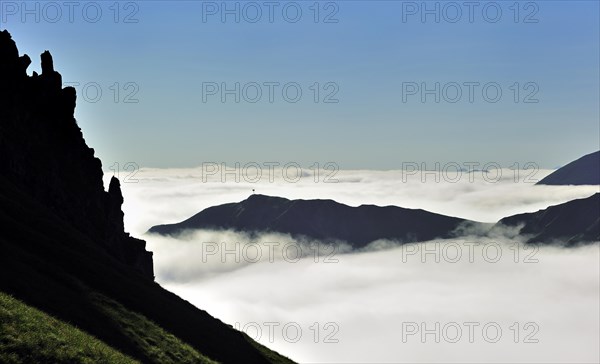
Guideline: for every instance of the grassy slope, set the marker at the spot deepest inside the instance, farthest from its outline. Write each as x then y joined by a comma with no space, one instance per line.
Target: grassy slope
28,335
51,266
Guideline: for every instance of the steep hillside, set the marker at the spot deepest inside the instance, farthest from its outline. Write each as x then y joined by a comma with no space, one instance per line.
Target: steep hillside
28,335
64,249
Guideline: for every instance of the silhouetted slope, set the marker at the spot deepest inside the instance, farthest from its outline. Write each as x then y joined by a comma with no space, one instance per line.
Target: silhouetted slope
63,248
320,219
42,150
570,223
52,266
583,171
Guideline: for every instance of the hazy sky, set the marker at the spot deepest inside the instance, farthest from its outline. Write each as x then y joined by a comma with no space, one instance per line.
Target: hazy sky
368,55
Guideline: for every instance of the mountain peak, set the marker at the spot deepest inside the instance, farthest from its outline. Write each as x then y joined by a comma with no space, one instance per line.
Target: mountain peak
264,198
326,220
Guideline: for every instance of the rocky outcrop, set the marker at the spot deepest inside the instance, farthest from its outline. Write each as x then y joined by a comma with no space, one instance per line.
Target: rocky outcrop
43,152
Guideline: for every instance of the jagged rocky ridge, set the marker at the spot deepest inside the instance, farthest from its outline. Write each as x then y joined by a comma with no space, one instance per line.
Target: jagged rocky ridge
42,150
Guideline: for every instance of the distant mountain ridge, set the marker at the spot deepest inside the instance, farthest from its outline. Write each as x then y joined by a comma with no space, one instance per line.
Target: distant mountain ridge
583,171
321,219
572,222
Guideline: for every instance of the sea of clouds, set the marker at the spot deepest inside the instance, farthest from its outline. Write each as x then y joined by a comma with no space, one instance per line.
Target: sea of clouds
470,299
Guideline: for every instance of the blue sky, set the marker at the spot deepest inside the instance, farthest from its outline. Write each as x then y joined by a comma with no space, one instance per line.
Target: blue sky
174,47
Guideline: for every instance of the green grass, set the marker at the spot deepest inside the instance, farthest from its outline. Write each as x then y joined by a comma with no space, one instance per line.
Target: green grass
28,335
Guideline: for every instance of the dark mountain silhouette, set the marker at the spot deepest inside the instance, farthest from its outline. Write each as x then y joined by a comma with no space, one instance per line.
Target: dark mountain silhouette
63,245
583,171
320,219
570,223
42,150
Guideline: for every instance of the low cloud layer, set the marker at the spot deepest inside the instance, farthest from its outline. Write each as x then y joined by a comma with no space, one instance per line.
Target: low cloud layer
374,305
171,195
365,306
